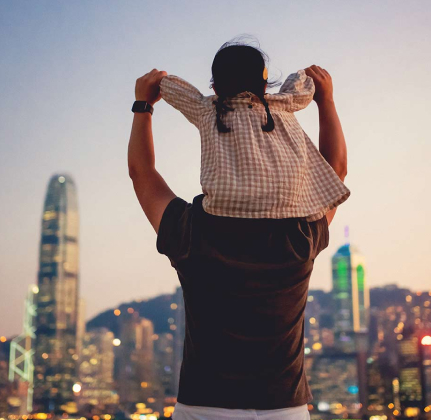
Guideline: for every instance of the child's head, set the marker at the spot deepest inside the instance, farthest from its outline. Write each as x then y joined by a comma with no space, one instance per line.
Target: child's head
237,68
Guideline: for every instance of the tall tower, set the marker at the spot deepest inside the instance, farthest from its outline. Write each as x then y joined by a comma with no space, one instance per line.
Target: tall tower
21,364
350,292
57,300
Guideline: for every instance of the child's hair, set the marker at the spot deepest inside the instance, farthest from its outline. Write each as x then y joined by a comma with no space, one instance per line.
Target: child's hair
238,67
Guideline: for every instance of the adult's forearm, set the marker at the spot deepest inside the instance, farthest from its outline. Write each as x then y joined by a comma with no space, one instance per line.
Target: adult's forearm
141,157
332,144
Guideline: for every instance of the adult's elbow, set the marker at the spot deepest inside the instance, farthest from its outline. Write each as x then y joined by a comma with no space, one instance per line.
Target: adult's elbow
133,173
341,171
137,173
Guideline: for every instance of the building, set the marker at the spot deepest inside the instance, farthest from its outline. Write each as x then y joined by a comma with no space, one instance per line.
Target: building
333,379
57,300
96,373
425,355
410,376
21,365
164,361
351,299
312,328
138,386
350,295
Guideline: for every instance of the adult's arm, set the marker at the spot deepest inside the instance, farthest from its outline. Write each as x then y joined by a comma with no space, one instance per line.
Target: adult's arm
332,144
152,191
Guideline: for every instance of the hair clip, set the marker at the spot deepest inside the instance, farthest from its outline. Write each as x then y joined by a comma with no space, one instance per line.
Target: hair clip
250,103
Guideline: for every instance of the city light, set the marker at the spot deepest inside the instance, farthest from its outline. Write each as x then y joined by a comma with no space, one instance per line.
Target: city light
35,290
323,406
3,339
411,411
317,346
61,179
76,388
116,342
117,312
426,340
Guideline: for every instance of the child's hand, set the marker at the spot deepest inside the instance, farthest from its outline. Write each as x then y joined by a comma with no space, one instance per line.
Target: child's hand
148,86
322,82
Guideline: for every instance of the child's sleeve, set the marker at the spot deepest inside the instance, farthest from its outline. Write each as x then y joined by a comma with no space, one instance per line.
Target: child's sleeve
182,96
299,90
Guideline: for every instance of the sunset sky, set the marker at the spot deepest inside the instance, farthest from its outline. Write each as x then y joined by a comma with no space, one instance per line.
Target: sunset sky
67,76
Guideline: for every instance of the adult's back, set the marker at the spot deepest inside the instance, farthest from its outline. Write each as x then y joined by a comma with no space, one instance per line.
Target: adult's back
245,285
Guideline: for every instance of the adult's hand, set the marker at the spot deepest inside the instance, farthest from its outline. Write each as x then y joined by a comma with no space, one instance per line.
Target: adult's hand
147,87
322,82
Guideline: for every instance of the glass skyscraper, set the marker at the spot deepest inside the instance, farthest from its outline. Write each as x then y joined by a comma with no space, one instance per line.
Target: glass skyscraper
350,293
57,300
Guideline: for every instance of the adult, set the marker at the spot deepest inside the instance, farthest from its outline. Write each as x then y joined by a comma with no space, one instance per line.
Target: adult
245,282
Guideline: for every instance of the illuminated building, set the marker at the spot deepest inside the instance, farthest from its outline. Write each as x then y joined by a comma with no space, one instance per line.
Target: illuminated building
425,356
137,382
5,385
21,366
57,300
351,296
410,381
376,395
80,327
333,379
164,356
96,368
312,331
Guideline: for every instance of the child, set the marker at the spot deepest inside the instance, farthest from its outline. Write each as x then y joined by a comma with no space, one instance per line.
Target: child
257,162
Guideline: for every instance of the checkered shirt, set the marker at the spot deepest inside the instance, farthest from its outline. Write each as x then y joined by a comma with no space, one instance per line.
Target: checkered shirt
250,173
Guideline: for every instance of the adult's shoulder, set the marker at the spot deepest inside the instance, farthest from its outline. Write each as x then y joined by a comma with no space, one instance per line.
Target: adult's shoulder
173,239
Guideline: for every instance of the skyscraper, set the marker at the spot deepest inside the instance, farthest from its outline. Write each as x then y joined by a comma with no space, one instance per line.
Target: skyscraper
137,381
96,369
350,293
410,379
57,300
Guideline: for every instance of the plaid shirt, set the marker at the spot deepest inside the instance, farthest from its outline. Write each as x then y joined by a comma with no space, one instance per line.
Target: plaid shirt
250,173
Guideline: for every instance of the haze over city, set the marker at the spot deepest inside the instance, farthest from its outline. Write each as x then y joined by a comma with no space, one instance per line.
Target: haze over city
67,86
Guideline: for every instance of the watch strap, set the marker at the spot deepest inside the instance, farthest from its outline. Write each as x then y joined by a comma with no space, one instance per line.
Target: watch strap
142,106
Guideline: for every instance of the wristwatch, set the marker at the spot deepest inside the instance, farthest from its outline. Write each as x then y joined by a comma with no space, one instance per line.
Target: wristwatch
142,106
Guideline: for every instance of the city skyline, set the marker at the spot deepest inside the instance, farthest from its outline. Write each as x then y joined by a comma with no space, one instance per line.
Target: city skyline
74,66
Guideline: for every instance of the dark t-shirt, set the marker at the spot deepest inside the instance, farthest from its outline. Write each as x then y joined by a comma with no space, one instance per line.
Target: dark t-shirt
245,285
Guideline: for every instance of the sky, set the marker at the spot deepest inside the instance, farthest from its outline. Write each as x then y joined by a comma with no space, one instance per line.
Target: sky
67,77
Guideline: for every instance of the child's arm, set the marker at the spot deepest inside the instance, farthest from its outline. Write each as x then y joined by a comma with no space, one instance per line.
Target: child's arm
151,189
332,144
183,96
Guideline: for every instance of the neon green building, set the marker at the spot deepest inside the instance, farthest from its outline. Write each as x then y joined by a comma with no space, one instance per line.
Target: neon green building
350,291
